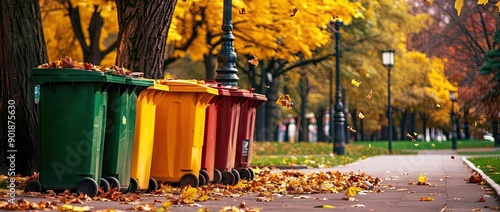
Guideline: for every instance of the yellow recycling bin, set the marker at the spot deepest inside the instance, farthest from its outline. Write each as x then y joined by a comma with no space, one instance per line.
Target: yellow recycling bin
147,104
179,132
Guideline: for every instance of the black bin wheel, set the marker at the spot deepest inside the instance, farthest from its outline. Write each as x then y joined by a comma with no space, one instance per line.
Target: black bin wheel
252,173
153,185
217,176
189,179
236,176
34,186
202,180
227,178
245,173
87,186
134,185
114,183
206,175
104,185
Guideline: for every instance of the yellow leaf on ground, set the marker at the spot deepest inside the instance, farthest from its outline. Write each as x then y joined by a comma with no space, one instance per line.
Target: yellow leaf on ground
324,206
426,199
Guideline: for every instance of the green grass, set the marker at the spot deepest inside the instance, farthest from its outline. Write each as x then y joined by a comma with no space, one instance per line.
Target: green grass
268,154
489,165
320,154
497,152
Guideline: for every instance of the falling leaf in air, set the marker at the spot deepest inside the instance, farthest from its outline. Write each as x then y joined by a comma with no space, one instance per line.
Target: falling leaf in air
294,11
410,136
369,96
352,130
285,101
438,105
254,61
242,11
361,116
267,86
355,82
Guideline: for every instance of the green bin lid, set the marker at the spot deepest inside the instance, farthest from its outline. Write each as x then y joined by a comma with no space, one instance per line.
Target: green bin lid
139,81
44,75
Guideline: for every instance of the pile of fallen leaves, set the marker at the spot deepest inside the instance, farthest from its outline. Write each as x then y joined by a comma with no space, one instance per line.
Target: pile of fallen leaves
67,62
19,180
265,187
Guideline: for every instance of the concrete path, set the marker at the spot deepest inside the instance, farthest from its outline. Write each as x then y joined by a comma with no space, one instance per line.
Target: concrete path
450,193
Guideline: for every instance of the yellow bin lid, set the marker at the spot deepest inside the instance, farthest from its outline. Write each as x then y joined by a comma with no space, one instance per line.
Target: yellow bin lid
175,85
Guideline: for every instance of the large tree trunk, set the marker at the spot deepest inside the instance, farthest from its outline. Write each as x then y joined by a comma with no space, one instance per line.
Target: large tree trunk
22,47
143,33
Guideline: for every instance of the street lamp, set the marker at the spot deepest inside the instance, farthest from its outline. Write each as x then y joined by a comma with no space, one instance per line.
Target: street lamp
388,61
338,124
226,69
453,98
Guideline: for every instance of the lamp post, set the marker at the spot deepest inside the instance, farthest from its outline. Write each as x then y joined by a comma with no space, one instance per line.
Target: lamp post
453,98
338,124
226,68
388,61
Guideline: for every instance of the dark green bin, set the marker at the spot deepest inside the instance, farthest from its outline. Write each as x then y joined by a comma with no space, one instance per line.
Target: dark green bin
120,127
73,107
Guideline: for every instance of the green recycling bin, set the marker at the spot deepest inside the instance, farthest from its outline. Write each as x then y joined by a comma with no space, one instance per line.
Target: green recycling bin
72,107
119,138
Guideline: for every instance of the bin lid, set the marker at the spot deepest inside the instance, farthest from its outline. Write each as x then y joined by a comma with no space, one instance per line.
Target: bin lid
259,97
139,81
189,86
228,90
44,75
160,87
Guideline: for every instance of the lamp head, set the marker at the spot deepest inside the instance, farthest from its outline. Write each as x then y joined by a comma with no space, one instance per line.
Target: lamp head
388,58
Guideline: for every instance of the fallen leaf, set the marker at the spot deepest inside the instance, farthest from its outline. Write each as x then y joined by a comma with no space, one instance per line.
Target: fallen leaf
426,199
324,206
482,199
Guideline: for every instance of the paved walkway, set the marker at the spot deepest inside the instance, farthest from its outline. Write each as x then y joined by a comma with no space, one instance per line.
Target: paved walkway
451,192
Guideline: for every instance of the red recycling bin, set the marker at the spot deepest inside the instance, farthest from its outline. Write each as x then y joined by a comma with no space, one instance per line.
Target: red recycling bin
245,135
208,152
226,123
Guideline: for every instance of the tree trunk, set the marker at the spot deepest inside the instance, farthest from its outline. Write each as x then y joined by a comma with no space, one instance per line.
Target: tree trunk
320,114
210,66
22,47
270,110
143,33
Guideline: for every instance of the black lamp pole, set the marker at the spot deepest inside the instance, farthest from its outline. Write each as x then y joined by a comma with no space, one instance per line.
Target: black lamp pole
388,61
453,123
339,117
226,69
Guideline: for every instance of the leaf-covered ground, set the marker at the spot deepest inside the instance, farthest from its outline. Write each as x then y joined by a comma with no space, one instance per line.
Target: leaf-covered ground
266,186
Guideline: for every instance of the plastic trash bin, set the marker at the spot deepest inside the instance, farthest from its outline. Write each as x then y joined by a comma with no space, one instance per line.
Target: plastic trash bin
208,170
228,115
119,138
72,111
179,131
142,153
246,135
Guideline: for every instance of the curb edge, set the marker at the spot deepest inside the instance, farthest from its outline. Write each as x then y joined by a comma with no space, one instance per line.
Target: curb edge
492,183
